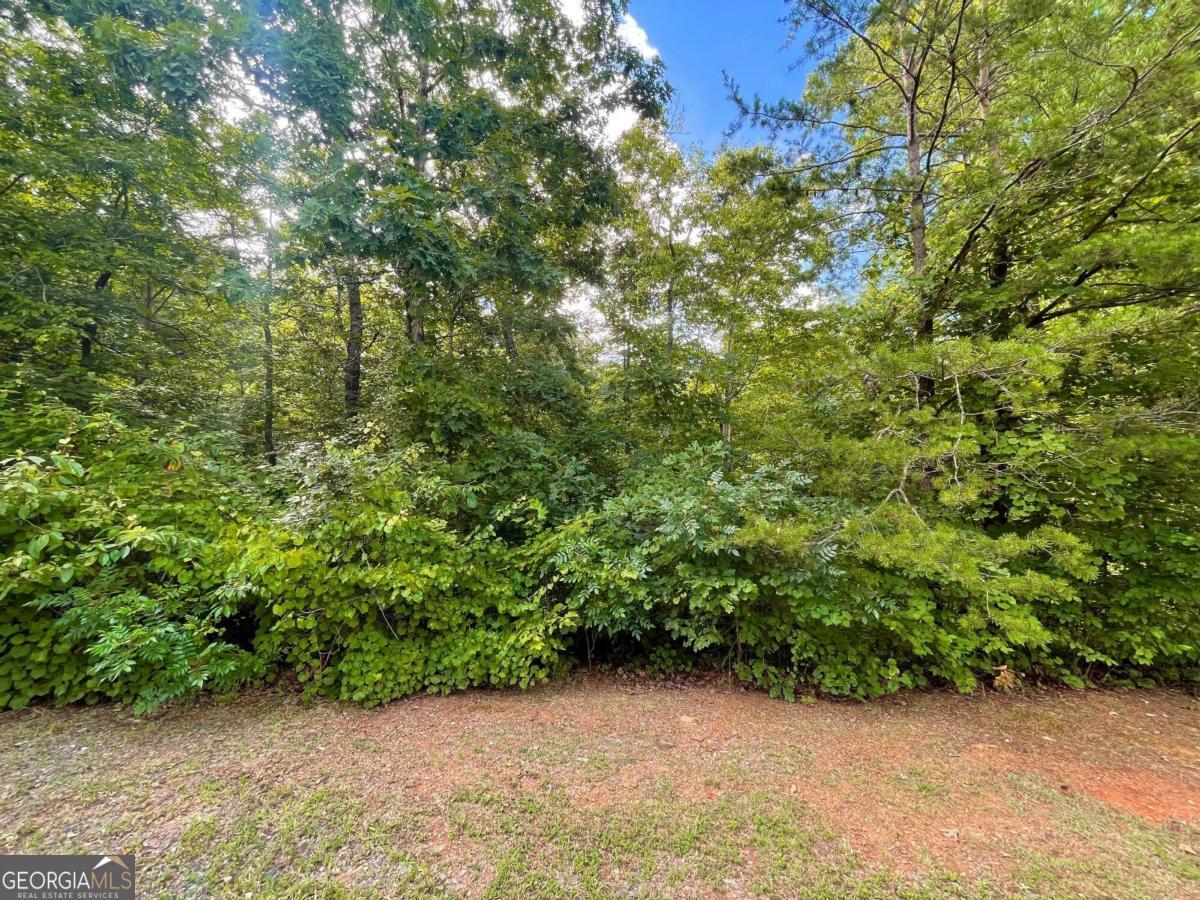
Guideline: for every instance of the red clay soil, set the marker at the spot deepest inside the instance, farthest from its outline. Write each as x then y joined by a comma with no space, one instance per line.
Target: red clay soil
908,780
1132,751
915,782
919,776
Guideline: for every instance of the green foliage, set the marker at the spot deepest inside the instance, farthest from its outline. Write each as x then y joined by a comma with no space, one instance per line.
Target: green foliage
370,588
689,561
112,147
106,552
786,587
290,382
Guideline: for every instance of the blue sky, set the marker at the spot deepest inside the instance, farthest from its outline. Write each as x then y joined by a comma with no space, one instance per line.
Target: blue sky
697,39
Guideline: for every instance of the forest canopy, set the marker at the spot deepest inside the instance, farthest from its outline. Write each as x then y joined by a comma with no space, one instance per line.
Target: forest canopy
346,343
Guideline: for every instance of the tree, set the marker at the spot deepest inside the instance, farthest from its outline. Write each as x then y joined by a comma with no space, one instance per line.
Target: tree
709,258
119,176
1030,253
454,165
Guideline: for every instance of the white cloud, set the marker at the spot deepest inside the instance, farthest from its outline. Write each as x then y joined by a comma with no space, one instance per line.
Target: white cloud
620,120
629,30
635,35
623,118
573,10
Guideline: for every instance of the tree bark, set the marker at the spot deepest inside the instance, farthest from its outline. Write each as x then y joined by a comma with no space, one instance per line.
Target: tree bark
671,298
670,319
269,375
143,370
510,341
916,213
354,348
728,394
414,318
91,327
1001,259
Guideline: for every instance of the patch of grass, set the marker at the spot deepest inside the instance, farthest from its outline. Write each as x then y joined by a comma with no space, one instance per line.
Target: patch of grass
661,847
272,800
920,781
296,843
1130,858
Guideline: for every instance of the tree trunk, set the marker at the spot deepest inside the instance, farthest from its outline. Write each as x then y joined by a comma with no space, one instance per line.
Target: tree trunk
143,370
91,327
1000,263
670,320
510,341
671,297
727,397
354,348
414,318
269,375
916,214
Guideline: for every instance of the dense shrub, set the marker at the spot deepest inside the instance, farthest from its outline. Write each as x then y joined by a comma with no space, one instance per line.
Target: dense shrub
1133,501
664,568
140,569
106,554
692,565
372,587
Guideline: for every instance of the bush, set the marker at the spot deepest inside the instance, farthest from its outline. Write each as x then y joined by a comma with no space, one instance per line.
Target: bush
371,589
141,569
101,598
692,565
688,565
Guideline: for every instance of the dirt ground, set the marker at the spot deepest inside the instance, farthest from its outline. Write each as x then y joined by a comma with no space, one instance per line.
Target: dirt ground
614,786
